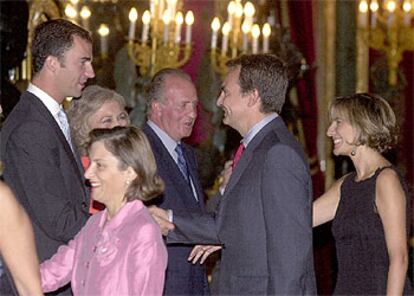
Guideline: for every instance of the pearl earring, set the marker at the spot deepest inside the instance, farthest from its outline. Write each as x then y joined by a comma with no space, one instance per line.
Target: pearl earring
353,152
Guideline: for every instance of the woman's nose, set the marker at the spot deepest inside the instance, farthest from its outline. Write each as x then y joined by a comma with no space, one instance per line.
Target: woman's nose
88,172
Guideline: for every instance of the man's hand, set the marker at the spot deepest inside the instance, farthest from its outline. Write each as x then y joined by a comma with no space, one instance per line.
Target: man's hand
202,251
161,217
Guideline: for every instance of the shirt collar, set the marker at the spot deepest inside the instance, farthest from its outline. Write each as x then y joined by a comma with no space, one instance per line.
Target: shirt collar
50,103
127,209
257,128
168,142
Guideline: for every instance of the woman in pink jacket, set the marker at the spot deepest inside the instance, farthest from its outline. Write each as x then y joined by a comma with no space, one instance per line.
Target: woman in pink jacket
120,250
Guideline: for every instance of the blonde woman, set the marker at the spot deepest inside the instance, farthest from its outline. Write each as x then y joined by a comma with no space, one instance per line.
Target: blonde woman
98,107
369,207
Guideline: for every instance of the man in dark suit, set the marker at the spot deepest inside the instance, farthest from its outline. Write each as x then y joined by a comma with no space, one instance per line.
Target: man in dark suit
263,219
41,163
172,110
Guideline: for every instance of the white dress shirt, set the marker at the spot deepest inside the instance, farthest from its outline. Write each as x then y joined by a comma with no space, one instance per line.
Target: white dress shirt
51,104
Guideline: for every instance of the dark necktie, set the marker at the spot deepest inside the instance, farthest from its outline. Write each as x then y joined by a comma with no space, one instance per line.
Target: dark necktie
238,155
182,164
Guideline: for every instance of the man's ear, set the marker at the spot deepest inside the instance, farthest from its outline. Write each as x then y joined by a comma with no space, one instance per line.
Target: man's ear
254,98
156,107
51,63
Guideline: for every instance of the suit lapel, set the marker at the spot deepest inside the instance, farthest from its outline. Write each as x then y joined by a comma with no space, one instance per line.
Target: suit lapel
244,162
246,157
169,168
192,168
47,116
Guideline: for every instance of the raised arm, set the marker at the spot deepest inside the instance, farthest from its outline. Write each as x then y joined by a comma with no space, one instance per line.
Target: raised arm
17,244
391,204
324,208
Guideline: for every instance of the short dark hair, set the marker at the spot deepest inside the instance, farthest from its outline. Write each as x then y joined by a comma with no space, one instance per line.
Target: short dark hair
54,38
372,118
155,90
267,74
131,147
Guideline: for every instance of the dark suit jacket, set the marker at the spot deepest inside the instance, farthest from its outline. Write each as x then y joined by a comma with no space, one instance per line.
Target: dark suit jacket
263,220
44,173
182,278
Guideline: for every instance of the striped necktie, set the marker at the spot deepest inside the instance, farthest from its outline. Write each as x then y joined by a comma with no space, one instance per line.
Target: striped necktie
181,162
64,126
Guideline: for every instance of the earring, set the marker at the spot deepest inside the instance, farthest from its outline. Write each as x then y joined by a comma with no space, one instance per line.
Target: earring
128,182
353,152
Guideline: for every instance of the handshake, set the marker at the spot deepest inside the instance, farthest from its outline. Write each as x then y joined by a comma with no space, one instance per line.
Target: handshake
164,220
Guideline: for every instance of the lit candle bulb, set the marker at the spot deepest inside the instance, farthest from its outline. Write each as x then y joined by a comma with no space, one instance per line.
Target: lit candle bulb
255,35
103,31
407,7
166,20
391,6
179,20
70,12
133,16
189,20
246,27
239,10
224,42
249,11
215,26
231,9
146,18
374,6
266,33
85,15
74,2
363,14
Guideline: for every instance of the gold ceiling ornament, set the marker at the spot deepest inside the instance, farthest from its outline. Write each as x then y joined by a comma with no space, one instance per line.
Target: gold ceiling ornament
387,26
159,37
160,43
239,35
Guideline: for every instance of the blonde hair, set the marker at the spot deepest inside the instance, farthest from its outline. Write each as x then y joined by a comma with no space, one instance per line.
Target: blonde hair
80,110
372,118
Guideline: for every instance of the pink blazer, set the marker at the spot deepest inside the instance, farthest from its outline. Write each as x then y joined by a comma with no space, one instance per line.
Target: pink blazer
125,256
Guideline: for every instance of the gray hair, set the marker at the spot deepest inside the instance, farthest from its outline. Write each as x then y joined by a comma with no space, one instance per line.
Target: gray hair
80,110
155,90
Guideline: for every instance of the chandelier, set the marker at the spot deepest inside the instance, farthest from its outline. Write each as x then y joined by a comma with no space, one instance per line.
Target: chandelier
160,44
387,27
239,35
153,43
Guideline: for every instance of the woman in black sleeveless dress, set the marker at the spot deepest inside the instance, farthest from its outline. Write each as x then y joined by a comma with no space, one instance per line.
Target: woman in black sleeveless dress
369,207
